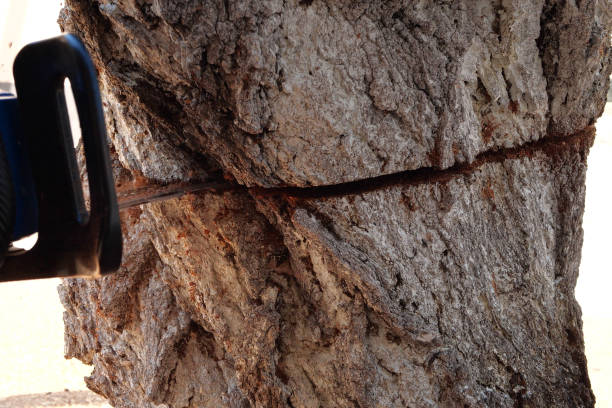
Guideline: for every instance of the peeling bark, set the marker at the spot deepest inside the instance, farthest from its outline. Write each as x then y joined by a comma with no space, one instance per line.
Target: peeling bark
401,222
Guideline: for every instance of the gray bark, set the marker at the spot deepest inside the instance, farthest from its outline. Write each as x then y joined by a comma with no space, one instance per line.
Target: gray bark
405,226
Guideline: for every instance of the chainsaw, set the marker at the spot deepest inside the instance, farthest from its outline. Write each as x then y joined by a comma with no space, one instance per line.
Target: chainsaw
40,185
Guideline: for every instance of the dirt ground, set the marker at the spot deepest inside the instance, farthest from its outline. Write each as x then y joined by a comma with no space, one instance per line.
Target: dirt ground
73,399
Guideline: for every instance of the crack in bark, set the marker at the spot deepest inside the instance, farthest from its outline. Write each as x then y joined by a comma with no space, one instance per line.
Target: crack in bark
580,141
552,145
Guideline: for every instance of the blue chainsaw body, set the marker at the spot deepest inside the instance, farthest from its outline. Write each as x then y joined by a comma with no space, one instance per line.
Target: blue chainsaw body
26,203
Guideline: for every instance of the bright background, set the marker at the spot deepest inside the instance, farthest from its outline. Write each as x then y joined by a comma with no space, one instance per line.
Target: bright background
33,372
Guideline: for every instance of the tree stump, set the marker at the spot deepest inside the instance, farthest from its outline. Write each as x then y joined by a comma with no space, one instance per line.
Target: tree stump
404,228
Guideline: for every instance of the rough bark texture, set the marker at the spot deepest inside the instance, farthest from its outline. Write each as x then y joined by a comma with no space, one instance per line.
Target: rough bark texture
404,229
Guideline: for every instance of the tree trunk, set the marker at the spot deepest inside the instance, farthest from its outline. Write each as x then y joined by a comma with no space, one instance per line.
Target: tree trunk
405,226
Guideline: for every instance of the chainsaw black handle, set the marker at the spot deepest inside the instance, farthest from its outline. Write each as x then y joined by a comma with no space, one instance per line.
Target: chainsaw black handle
71,241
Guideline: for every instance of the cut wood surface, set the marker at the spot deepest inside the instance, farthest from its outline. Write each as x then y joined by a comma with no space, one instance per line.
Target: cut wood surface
405,227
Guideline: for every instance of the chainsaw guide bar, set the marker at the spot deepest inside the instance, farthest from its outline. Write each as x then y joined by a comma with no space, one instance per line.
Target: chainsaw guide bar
128,198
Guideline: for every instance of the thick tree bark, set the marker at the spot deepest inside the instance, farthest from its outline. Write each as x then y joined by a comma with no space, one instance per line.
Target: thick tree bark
405,227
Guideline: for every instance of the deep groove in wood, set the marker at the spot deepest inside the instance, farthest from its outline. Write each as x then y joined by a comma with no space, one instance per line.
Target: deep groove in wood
551,146
580,141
